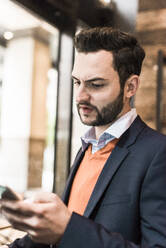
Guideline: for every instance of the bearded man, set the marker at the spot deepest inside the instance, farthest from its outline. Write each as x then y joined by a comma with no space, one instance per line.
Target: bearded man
115,196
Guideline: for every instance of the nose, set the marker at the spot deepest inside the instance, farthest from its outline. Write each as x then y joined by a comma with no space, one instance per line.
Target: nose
82,94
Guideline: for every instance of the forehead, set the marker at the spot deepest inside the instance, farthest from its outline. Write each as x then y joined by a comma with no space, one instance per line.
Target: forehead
91,64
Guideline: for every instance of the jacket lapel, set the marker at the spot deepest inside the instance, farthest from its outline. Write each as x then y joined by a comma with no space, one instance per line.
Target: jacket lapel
114,161
120,153
73,171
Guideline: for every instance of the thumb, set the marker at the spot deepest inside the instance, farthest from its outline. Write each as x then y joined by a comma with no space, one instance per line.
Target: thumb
43,197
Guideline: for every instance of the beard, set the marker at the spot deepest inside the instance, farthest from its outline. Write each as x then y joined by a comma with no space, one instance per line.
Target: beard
107,114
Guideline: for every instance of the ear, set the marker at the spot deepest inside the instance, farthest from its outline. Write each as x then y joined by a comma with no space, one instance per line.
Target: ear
131,86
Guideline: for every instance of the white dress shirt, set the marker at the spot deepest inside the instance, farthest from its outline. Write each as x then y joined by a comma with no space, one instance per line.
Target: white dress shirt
115,130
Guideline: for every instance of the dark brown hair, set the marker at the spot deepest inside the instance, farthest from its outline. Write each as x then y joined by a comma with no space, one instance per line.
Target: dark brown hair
128,55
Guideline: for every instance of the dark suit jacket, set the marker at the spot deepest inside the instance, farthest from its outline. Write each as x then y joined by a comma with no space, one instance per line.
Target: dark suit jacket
127,208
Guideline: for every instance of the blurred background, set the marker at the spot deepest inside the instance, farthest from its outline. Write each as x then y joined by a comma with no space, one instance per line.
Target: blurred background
39,125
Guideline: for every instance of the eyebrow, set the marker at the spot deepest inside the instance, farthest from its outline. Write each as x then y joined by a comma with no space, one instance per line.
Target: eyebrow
91,80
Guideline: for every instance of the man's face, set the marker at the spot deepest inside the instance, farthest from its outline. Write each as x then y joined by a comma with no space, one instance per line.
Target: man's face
99,98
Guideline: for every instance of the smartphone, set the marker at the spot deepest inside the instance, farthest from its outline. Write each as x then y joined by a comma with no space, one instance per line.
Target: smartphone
7,193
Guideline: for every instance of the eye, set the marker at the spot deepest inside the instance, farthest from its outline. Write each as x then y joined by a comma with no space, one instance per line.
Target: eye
76,82
93,85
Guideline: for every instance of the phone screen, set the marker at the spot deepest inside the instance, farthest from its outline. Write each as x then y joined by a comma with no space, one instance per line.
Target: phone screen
7,193
2,190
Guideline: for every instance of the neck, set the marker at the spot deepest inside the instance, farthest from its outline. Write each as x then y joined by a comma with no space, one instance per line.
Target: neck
100,129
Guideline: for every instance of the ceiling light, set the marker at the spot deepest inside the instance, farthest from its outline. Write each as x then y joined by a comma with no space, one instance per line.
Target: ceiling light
105,1
8,35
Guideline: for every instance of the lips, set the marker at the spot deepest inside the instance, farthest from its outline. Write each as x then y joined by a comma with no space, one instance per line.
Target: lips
85,109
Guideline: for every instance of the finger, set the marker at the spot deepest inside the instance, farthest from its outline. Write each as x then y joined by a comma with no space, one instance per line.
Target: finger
31,224
18,207
44,197
16,222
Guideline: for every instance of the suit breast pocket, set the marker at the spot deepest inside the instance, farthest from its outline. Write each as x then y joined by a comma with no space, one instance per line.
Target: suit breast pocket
116,199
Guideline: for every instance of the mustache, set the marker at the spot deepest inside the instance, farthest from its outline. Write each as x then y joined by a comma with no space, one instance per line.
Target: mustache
85,104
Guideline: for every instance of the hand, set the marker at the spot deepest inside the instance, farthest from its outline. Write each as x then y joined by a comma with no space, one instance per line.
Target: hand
44,217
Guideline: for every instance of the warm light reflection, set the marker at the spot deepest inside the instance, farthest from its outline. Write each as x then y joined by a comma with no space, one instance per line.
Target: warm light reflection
8,35
105,1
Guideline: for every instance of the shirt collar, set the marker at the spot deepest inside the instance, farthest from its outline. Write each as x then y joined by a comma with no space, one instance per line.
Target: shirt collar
115,130
122,124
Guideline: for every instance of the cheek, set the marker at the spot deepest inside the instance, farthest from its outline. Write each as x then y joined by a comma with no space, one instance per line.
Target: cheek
102,99
98,99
